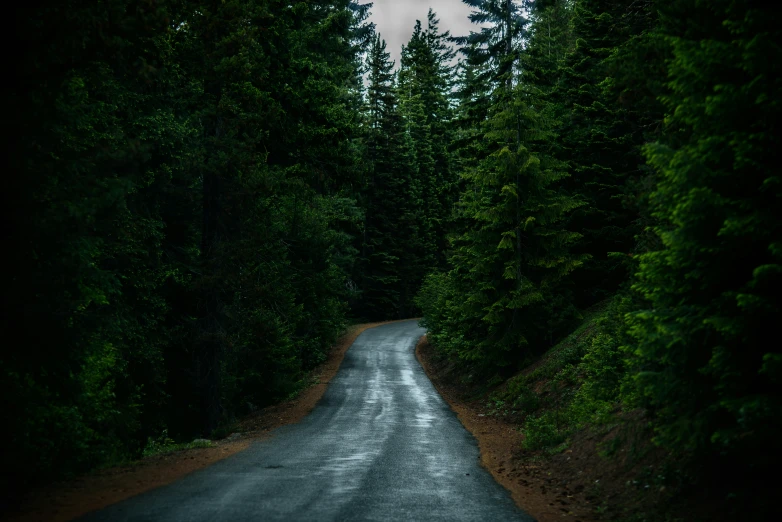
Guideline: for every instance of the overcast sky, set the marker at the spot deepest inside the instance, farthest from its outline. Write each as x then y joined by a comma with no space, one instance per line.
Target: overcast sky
395,20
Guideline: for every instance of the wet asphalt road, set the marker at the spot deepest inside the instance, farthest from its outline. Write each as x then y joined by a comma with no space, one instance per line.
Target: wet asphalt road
380,445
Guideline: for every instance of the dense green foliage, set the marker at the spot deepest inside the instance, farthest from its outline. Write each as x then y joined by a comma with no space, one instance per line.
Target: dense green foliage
185,218
204,193
410,187
622,152
705,344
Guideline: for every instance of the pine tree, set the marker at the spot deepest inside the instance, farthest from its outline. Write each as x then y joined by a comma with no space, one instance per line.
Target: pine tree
516,250
103,151
182,241
425,81
508,264
379,293
408,196
706,366
392,252
288,155
473,98
596,140
497,45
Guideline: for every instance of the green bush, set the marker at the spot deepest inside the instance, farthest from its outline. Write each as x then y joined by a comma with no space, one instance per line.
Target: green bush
525,399
544,431
164,444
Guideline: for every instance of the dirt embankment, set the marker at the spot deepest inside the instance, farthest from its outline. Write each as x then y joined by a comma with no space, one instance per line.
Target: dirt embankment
578,484
499,441
71,499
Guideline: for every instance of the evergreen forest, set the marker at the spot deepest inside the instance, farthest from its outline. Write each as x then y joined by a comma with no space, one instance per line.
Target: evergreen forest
205,193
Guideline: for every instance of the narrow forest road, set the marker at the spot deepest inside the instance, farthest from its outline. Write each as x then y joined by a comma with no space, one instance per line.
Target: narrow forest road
380,445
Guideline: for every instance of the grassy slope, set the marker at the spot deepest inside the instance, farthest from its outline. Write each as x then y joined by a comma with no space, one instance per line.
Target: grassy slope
586,453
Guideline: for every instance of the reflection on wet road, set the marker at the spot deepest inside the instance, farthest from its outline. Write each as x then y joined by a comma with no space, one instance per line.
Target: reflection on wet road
380,445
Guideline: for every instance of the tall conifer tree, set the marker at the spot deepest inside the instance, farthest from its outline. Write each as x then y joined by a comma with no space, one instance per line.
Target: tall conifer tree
509,261
708,370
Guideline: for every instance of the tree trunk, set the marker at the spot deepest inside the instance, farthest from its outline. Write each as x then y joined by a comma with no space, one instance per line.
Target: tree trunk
210,345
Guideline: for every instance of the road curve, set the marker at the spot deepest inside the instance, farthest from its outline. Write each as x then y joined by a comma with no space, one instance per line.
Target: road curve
380,445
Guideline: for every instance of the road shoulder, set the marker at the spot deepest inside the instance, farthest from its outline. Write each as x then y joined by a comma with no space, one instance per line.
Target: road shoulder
500,445
68,500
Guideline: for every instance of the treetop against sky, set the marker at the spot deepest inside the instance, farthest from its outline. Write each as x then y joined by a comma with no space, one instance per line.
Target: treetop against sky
395,20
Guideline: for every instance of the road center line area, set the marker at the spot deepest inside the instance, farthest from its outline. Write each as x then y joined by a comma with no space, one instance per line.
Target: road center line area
380,445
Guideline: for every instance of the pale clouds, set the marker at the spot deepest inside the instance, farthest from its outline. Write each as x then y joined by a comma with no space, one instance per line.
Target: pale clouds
395,20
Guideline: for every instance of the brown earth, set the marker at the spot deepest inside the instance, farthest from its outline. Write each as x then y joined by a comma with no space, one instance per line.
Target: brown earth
578,484
71,499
